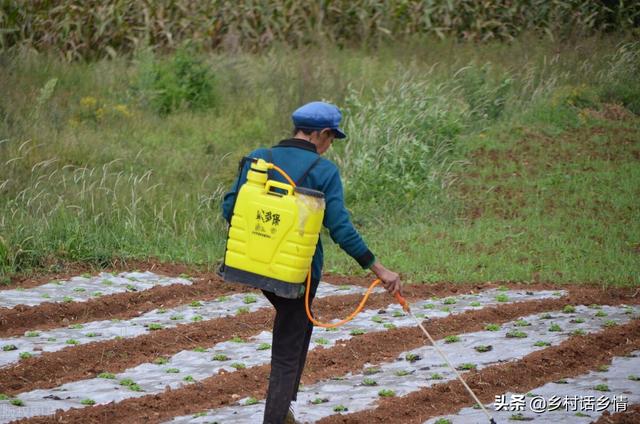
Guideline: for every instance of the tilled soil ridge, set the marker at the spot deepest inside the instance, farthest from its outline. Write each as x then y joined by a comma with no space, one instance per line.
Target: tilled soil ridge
571,358
370,348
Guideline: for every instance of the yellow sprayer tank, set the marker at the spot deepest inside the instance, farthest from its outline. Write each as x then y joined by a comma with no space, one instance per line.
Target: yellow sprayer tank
273,234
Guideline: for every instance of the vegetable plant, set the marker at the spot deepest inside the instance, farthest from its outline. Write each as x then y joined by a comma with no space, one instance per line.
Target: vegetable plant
318,401
237,339
357,332
107,375
263,346
340,408
369,382
389,326
634,377
25,355
610,323
155,326
79,290
475,303
492,327
176,317
412,357
321,341
199,349
76,326
160,361
32,334
238,365
436,376
601,388
397,314
555,327
195,304
172,370
578,332
196,318
72,342
577,321
601,314
452,339
250,401
3,396
467,366
16,402
220,357
249,299
189,379
569,309
402,373
502,297
386,393
483,348
67,299
516,334
541,343
92,334
222,299
449,301
428,306
88,402
546,316
522,323
602,368
242,310
377,319
443,421
371,371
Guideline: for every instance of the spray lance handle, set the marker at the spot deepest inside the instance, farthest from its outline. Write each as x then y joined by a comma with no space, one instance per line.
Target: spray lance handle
403,302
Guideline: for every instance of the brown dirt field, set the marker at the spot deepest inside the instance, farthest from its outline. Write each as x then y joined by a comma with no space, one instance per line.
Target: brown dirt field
630,416
573,357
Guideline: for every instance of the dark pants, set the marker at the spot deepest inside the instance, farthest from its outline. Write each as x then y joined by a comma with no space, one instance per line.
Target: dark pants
291,335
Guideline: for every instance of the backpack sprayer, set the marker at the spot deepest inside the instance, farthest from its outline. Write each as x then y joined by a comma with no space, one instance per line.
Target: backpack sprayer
272,237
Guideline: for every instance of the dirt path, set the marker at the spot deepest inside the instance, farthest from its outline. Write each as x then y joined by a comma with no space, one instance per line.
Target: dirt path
371,348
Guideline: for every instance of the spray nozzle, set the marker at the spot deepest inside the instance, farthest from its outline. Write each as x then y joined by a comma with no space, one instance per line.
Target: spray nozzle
403,302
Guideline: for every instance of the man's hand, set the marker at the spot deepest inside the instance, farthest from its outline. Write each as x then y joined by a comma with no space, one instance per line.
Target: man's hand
390,280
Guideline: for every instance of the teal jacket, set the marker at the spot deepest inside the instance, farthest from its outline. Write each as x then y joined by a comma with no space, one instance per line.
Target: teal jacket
295,157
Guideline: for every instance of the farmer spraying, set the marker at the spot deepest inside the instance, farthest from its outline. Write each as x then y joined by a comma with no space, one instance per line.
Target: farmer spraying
299,161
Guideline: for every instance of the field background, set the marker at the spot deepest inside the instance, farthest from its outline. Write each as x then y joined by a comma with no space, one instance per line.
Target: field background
486,142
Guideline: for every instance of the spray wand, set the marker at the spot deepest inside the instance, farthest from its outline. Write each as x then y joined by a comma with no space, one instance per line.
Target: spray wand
405,306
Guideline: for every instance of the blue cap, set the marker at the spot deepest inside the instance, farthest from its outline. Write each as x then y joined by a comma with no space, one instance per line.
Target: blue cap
318,116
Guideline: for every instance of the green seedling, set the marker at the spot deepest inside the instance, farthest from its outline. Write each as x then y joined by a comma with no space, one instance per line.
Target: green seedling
581,414
195,304
577,321
131,287
492,327
107,375
86,275
189,379
197,318
118,338
3,396
25,355
634,377
318,401
601,314
176,317
443,421
502,297
602,368
263,346
88,402
419,315
135,388
389,326
242,310
97,294
155,326
519,417
172,370
237,339
503,288
161,361
483,348
445,309
569,309
610,323
402,373
561,381
516,334
555,327
546,316
67,299
429,306
183,275
51,339
107,283
238,365
219,357
199,414
578,332
79,290
161,311
249,299
331,329
449,301
541,343
32,334
116,320
601,388
475,303
397,314
436,376
386,393
91,335
16,402
250,401
557,294
126,382
72,342
595,306
46,295
377,319
340,408
452,339
522,323
357,332
412,357
199,349
371,371
222,299
76,326
344,287
321,341
369,382
467,367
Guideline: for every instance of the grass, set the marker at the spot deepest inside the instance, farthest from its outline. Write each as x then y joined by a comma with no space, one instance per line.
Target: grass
509,165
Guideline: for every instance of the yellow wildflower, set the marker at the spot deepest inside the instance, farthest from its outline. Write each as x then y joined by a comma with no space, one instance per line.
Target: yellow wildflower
88,102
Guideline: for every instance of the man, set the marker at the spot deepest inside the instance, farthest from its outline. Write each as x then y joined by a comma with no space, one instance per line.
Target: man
316,125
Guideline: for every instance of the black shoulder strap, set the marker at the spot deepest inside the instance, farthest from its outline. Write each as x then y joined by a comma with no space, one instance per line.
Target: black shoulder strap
269,159
306,173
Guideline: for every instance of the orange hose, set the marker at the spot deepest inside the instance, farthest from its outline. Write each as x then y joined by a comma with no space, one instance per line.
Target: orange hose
308,287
